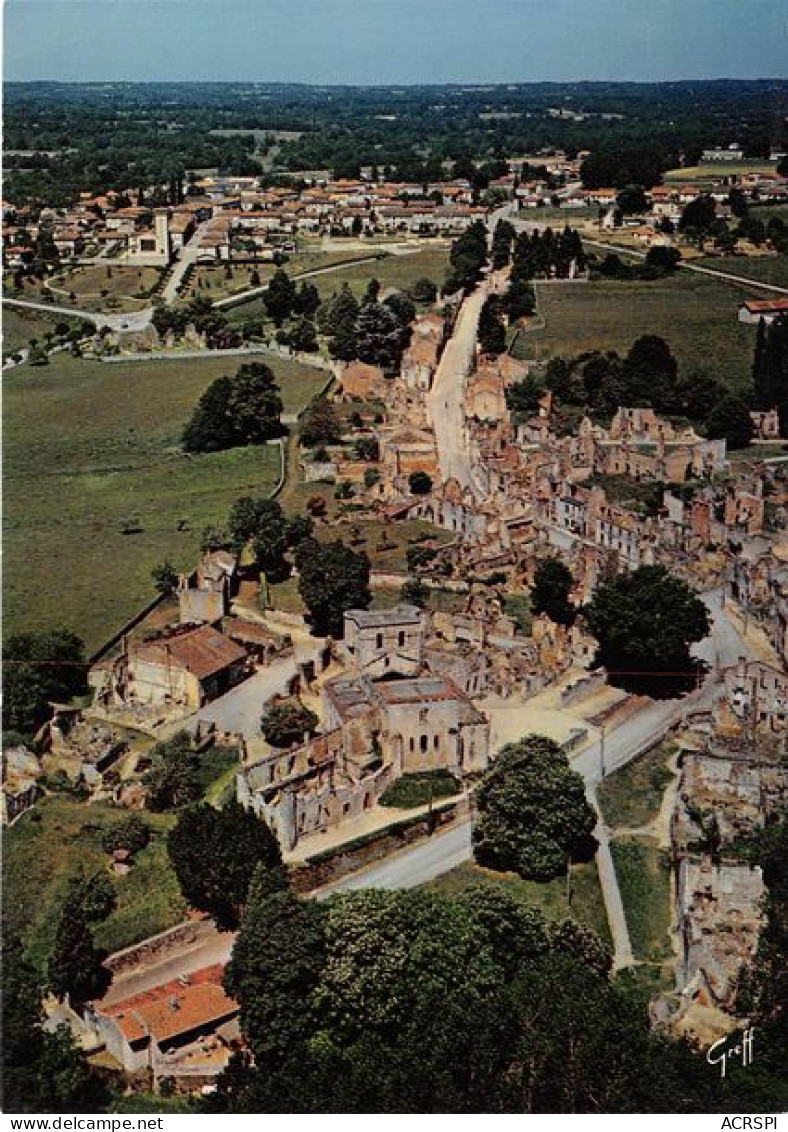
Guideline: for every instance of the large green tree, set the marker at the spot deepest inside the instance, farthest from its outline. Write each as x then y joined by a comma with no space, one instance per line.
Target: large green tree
332,579
646,621
421,1002
381,336
287,723
38,669
533,810
320,425
280,297
261,523
215,854
730,420
236,411
550,591
274,968
171,780
75,964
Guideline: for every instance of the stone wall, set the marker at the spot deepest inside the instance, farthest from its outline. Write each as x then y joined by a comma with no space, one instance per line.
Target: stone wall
324,869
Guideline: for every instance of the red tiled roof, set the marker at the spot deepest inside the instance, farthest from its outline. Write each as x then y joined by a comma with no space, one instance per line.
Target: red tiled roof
202,651
171,1009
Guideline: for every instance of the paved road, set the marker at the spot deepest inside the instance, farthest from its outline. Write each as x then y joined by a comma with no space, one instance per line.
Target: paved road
240,710
411,867
132,320
189,254
445,401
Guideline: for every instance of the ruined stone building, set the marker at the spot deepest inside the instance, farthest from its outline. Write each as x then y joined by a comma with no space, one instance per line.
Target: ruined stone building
204,596
180,669
719,913
375,729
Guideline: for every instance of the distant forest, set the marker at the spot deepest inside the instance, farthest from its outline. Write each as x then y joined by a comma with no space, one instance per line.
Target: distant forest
62,139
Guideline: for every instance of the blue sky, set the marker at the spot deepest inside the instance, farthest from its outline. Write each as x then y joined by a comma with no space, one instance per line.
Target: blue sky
394,41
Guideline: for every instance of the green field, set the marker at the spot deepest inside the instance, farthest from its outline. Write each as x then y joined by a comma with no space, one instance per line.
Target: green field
20,325
213,281
400,271
764,269
714,171
87,283
632,796
643,873
550,897
56,839
89,447
697,316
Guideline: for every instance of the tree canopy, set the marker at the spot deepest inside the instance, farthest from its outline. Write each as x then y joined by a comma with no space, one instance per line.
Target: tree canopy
215,854
420,1002
38,669
533,810
332,579
236,411
171,781
287,723
550,591
646,621
730,420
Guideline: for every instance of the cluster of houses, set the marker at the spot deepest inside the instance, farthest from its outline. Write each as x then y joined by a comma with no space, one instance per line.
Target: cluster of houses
533,490
235,218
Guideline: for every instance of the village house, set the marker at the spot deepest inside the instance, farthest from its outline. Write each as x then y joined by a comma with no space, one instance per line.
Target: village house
180,669
185,1029
378,642
753,310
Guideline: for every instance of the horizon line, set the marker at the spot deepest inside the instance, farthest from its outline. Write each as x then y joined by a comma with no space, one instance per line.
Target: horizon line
409,84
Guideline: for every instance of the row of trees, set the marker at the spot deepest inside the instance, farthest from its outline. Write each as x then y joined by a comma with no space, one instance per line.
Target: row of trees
648,375
770,369
419,1002
467,256
371,331
548,254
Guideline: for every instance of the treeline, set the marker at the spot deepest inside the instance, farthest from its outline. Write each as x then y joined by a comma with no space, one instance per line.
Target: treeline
420,1002
648,376
102,139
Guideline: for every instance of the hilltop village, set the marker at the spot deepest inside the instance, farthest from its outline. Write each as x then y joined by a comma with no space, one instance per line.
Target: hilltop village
492,465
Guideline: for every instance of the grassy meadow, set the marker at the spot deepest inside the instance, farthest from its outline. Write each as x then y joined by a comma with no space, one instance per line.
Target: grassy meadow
63,837
549,897
761,269
20,325
697,316
91,448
